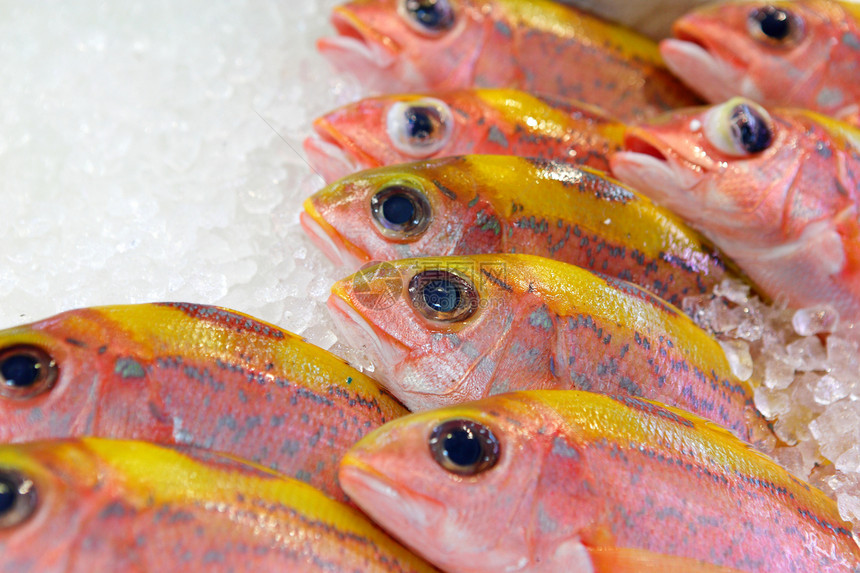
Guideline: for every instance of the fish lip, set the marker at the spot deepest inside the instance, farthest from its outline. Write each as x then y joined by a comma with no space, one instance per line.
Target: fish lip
385,352
355,38
332,154
642,142
354,473
333,245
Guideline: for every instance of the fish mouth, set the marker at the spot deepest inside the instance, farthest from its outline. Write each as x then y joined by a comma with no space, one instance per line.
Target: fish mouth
356,46
645,166
691,57
394,506
332,155
385,352
338,250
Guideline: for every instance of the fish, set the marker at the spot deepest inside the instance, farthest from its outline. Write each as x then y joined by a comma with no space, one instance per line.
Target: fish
189,374
533,45
803,53
446,330
652,18
115,505
564,480
399,128
775,189
504,204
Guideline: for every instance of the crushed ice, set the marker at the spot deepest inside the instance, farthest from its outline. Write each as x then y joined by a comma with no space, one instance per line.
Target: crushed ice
808,387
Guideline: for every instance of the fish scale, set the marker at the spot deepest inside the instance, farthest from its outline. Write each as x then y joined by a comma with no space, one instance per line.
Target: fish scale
539,324
197,375
581,479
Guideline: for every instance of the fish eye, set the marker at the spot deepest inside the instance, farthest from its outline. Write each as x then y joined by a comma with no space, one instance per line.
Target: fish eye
774,25
739,128
419,128
443,296
400,211
26,371
464,447
17,498
430,17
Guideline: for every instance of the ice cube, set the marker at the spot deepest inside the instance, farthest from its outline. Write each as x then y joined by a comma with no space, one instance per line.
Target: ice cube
738,354
778,374
812,320
809,353
829,390
732,290
771,403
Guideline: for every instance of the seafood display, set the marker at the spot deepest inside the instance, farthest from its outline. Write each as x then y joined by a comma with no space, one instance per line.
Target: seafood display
192,375
102,505
533,45
504,204
584,311
802,53
561,480
776,190
392,129
460,328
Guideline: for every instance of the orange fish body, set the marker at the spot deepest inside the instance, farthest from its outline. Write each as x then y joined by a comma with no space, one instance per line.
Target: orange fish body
776,191
393,129
580,482
803,53
192,375
78,506
534,45
504,204
452,329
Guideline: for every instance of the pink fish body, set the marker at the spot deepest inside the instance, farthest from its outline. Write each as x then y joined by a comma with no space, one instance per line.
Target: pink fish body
390,129
777,191
555,480
535,45
191,375
804,53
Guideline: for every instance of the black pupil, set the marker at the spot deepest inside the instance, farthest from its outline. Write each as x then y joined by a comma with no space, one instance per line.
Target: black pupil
20,370
774,22
398,210
463,448
432,14
753,131
419,124
441,295
8,494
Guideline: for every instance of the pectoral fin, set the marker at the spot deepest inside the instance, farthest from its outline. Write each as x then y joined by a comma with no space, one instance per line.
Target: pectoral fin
627,560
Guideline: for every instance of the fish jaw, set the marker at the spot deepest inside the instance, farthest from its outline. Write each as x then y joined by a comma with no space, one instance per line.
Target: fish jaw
385,352
646,166
713,79
389,503
357,49
340,251
332,154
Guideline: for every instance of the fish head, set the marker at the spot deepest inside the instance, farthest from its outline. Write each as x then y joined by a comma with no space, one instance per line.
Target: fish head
456,484
727,169
45,490
397,128
397,212
430,325
407,44
772,52
48,372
